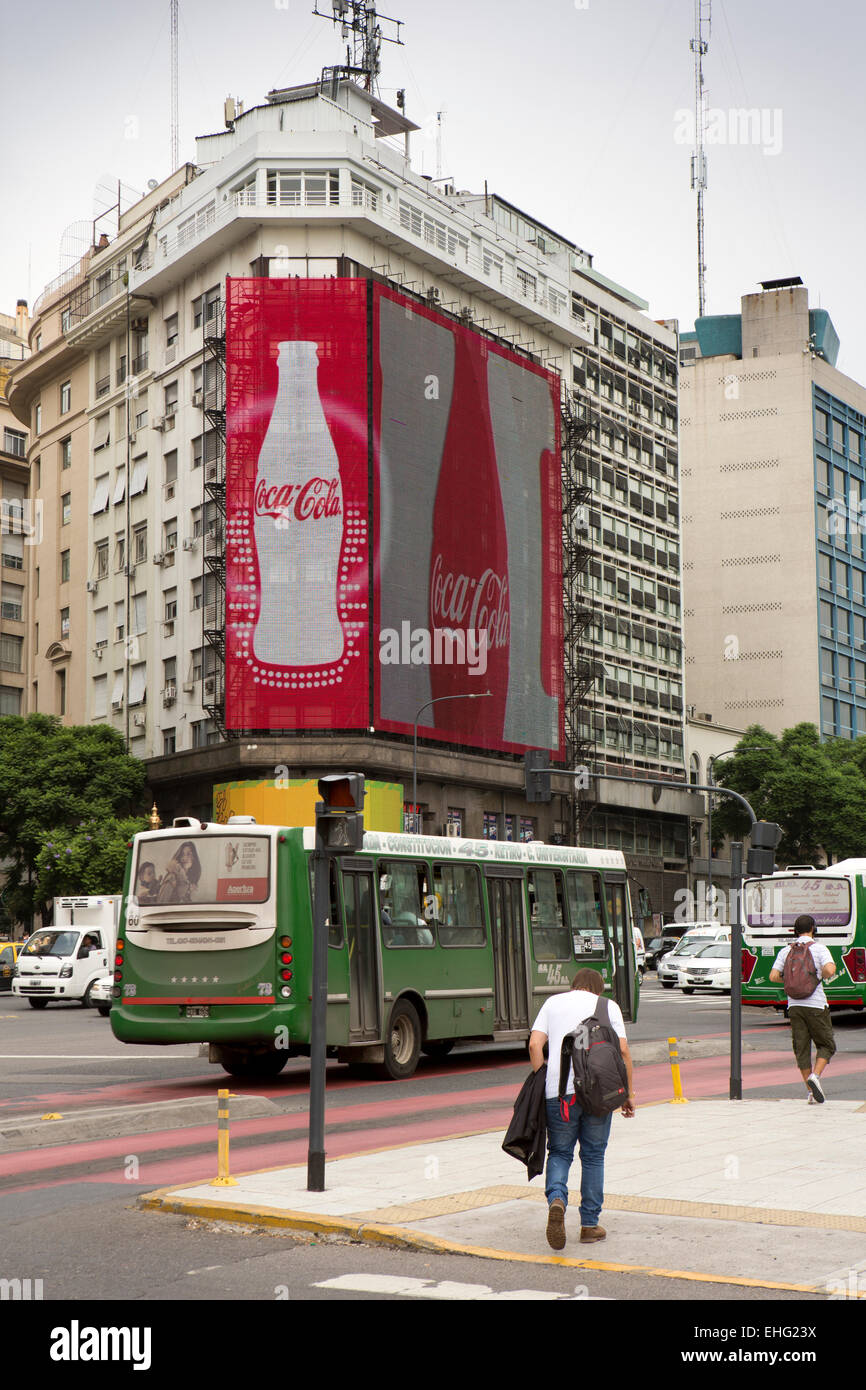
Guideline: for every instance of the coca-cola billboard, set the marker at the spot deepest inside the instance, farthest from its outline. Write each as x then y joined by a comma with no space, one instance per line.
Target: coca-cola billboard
456,441
297,480
467,535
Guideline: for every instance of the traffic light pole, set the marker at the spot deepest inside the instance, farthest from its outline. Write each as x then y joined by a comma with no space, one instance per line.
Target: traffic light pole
735,1085
318,1025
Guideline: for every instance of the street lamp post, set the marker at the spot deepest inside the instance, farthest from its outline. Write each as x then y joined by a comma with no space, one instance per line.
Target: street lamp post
714,758
479,695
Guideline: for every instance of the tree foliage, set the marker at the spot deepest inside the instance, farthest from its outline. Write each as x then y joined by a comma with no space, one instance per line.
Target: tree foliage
89,859
815,791
52,780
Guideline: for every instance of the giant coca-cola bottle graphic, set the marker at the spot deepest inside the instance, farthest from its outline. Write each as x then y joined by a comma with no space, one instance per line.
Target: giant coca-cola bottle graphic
298,522
469,562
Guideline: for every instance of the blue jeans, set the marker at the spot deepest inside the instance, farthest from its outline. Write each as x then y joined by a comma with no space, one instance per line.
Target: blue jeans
592,1132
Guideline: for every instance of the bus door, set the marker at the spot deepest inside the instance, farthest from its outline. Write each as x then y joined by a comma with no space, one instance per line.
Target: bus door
621,944
362,943
505,896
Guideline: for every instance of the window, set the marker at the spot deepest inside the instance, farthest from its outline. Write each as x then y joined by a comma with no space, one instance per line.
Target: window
169,741
457,891
64,566
61,692
10,699
99,707
456,817
584,901
101,490
12,601
170,464
206,308
170,407
138,684
120,551
66,509
139,544
294,188
550,939
171,330
196,593
65,397
138,625
14,442
37,419
100,627
170,612
138,482
65,453
204,448
490,829
119,621
10,652
64,622
405,903
169,531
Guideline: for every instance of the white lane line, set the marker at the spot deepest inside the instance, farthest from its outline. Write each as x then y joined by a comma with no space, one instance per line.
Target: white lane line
397,1285
89,1057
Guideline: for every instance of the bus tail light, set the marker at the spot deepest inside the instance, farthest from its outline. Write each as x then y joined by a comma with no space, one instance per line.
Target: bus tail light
286,958
285,941
285,974
747,966
855,963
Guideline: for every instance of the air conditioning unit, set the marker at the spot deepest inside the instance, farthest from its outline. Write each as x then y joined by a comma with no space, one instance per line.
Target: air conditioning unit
453,832
190,542
93,586
117,704
159,558
97,652
188,687
169,695
170,353
196,398
139,720
169,491
168,628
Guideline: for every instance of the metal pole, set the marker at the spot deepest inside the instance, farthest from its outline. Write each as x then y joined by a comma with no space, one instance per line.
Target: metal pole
735,1091
318,1025
479,695
709,853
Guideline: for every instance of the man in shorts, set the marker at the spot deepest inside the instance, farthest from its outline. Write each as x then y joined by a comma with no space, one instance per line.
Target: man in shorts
810,1018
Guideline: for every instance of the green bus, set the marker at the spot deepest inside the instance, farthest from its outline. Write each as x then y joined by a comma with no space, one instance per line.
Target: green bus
430,940
836,898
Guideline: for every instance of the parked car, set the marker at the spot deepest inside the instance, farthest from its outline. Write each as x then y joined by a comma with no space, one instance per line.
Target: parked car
100,995
658,947
8,957
709,968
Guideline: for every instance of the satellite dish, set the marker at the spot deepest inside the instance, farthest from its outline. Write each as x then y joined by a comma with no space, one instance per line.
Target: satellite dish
152,184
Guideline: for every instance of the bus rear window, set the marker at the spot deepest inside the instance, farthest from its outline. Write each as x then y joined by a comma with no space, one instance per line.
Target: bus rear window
179,869
778,902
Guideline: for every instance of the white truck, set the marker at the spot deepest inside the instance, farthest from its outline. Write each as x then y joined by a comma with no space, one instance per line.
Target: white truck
65,960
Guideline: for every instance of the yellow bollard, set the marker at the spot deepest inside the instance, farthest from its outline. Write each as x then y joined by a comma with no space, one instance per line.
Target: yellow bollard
223,1178
678,1097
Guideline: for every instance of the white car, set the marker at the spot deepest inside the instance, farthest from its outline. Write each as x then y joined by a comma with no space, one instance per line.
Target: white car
671,965
709,968
100,995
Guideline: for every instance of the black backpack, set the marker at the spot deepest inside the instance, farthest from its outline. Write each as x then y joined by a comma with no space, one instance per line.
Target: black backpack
600,1075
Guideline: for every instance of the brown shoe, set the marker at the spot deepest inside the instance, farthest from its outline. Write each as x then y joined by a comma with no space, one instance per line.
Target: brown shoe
589,1234
556,1225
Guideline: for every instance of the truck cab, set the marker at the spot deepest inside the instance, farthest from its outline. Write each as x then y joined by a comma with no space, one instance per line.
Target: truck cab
65,960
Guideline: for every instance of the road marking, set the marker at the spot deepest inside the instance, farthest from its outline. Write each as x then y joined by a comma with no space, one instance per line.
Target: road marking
446,1289
88,1057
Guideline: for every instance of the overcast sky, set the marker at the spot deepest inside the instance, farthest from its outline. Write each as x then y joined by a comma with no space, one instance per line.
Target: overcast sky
572,109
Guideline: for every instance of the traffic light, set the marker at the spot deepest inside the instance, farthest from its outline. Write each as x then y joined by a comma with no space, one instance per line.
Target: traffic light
536,772
340,813
761,858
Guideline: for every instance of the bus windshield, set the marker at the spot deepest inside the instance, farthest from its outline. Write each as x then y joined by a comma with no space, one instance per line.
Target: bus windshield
778,902
202,869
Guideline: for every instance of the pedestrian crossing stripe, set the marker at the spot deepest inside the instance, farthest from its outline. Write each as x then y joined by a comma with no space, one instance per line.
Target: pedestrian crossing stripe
399,1285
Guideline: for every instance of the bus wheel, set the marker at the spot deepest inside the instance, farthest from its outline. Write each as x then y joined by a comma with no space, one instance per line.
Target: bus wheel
438,1049
402,1041
38,1003
239,1061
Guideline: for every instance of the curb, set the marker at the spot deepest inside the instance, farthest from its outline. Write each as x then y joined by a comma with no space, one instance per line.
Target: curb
403,1238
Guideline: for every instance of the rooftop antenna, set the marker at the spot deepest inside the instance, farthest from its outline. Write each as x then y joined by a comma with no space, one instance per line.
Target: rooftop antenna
175,149
363,35
439,115
699,45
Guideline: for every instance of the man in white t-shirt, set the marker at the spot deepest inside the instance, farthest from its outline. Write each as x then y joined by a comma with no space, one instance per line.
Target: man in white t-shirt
559,1016
810,1018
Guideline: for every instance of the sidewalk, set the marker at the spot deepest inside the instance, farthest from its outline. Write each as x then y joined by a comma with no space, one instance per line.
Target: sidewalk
763,1192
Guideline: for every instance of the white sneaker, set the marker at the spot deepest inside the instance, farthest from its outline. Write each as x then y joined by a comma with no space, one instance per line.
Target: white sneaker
815,1087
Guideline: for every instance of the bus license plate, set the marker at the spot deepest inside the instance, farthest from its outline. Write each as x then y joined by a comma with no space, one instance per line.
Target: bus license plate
197,1011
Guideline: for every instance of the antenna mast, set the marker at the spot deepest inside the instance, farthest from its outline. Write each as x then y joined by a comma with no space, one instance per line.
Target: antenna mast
364,37
699,45
175,155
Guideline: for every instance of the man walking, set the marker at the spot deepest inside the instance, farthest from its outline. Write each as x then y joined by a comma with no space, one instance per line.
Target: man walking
560,1015
810,1016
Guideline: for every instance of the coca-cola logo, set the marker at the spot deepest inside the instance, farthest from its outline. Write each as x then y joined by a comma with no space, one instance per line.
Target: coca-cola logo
316,498
480,604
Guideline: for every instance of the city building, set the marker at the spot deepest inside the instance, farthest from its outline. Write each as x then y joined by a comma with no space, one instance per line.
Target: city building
773,484
317,182
15,528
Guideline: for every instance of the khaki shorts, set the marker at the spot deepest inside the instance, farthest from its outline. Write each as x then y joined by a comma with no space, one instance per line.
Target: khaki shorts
810,1026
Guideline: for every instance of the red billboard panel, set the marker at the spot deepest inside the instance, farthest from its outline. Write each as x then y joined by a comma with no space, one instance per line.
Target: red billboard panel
467,535
297,472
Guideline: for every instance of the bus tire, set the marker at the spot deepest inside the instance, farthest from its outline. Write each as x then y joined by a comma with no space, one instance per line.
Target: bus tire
245,1063
440,1048
38,1003
402,1041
